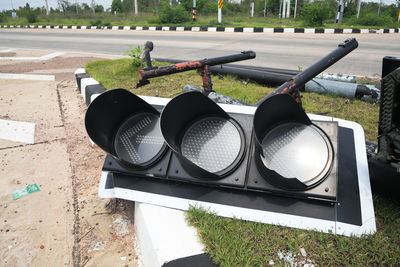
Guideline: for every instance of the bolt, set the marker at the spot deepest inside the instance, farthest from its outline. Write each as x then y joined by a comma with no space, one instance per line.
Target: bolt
326,189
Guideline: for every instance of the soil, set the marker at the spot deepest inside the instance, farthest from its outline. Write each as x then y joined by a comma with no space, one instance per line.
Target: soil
65,223
61,67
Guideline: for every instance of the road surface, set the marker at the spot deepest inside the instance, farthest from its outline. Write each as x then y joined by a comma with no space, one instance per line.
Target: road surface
290,51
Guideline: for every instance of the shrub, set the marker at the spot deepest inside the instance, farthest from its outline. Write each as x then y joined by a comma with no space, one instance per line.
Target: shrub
2,17
173,15
371,19
135,54
314,14
31,17
96,22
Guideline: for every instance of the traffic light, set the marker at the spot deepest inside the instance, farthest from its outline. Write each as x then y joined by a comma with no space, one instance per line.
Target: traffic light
277,150
274,149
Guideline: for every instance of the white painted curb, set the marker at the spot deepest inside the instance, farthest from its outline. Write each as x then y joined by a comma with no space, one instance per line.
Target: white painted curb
85,82
163,235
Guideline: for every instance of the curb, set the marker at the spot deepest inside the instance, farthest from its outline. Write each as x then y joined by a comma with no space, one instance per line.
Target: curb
212,29
171,243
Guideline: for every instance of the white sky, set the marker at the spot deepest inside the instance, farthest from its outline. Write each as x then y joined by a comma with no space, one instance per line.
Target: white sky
8,4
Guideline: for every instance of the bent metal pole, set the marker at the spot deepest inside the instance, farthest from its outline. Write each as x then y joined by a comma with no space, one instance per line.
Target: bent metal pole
292,86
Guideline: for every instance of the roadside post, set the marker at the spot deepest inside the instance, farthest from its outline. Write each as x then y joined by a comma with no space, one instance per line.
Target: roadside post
194,10
220,5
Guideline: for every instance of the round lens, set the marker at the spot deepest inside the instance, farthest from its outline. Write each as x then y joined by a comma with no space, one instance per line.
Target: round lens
212,144
295,150
139,140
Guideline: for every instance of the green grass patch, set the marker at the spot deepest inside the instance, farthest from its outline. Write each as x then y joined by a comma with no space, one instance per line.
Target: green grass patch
233,242
151,19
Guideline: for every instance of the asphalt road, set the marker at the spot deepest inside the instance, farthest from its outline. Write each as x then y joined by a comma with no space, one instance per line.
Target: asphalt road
290,51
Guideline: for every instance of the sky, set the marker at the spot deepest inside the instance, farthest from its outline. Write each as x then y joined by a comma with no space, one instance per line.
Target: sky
8,4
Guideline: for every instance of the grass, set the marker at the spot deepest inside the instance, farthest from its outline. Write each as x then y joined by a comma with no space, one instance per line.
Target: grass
149,19
234,242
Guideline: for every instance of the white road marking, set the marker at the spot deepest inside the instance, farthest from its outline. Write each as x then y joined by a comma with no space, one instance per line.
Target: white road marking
34,77
17,131
45,57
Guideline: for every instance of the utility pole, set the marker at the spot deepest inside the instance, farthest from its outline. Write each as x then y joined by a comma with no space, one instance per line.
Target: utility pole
280,8
136,8
92,6
47,8
284,9
265,8
288,9
295,9
358,8
379,9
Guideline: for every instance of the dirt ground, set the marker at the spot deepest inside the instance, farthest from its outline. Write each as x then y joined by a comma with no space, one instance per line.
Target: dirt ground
65,223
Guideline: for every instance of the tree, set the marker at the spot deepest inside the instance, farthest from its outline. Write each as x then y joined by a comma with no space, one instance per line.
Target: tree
127,5
85,7
64,5
116,6
98,9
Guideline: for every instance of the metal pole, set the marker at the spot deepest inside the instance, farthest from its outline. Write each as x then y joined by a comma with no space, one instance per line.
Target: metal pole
295,9
136,8
292,86
358,8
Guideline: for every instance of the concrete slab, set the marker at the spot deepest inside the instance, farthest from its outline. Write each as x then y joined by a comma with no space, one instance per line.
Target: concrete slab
17,131
25,222
34,102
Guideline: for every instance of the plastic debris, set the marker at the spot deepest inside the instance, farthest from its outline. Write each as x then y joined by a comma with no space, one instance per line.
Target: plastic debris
97,246
120,224
123,258
303,252
27,190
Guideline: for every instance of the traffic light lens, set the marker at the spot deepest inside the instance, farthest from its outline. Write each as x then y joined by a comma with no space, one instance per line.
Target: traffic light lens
296,150
212,143
139,140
